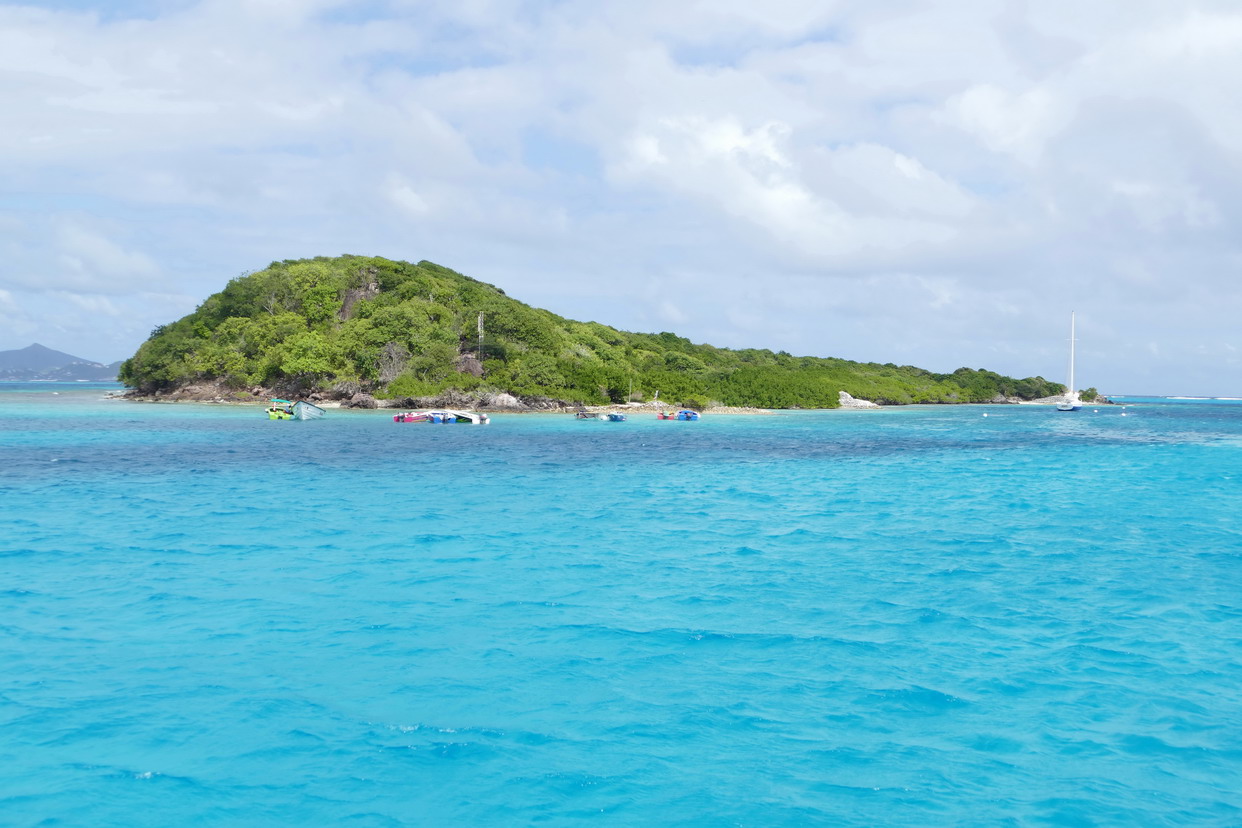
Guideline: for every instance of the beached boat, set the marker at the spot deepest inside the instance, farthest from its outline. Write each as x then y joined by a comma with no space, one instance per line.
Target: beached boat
1071,403
303,410
684,414
442,416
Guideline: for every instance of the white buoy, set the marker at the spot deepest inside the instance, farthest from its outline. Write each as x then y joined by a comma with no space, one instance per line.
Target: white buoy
985,414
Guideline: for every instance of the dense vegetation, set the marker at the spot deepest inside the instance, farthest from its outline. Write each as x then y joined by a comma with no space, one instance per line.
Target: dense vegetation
410,330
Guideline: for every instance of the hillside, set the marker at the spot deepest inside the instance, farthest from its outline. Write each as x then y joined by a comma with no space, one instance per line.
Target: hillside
38,363
398,330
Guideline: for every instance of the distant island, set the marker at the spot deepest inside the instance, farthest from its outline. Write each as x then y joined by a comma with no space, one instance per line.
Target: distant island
36,363
365,330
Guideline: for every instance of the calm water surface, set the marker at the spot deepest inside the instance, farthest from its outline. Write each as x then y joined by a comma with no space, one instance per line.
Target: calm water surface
920,616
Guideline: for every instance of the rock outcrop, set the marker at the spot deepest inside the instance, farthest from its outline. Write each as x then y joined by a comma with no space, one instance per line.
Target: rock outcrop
502,400
848,401
368,289
468,364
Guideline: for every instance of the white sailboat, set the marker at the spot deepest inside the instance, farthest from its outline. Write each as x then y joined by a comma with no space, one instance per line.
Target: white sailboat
1072,403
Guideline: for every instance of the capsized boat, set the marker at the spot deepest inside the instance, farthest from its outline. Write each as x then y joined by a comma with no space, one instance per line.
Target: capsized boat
442,416
684,414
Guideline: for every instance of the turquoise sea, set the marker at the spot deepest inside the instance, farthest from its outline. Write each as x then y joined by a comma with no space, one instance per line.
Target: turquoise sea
917,617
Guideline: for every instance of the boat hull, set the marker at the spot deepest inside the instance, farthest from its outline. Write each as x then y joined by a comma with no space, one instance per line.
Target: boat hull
307,411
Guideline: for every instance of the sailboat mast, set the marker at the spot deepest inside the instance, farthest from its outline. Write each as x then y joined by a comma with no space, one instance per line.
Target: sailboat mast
1072,391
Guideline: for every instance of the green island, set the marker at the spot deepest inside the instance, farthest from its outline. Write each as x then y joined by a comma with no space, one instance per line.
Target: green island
337,328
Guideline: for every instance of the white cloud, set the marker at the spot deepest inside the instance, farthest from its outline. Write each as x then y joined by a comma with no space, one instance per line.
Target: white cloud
405,197
877,179
749,174
670,313
92,255
1004,122
94,305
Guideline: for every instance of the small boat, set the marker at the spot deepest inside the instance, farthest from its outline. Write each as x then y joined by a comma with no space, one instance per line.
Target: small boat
303,410
280,410
684,414
442,416
612,417
1071,403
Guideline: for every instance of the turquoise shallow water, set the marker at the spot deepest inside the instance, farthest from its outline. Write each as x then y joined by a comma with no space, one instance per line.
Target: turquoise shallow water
919,616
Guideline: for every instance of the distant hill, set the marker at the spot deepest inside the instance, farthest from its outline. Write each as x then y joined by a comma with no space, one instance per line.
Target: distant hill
36,362
402,330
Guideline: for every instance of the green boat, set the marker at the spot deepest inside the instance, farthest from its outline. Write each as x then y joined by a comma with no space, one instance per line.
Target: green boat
280,410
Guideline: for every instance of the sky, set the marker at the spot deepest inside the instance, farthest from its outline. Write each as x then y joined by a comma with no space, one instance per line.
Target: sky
927,182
